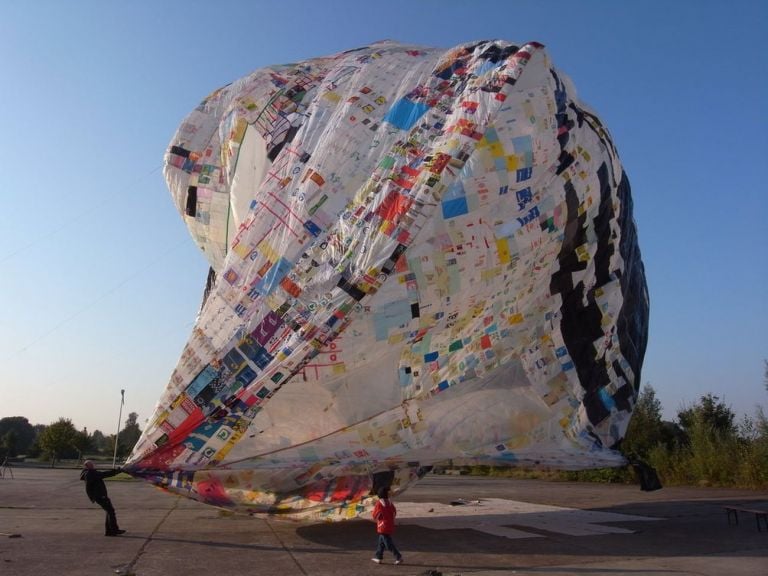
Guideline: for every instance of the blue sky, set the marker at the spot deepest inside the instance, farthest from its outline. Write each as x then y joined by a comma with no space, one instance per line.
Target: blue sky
101,281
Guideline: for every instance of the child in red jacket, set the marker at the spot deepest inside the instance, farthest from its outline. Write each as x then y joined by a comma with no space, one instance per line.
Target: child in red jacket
384,513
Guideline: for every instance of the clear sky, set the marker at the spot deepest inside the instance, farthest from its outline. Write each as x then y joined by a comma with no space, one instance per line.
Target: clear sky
101,281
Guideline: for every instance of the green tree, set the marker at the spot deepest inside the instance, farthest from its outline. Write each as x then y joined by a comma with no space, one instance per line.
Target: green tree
58,440
24,431
9,443
717,451
35,450
711,412
99,442
761,423
646,428
129,435
81,442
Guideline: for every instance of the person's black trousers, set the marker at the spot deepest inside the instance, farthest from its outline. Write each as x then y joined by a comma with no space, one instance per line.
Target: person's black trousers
110,524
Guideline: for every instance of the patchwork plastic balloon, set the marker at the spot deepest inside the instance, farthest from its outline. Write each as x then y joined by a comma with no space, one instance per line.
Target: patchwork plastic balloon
418,256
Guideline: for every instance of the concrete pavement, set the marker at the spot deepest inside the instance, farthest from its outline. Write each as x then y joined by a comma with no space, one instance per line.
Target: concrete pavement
505,527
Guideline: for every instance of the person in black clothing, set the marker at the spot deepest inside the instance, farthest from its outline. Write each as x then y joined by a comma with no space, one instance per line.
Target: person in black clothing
97,492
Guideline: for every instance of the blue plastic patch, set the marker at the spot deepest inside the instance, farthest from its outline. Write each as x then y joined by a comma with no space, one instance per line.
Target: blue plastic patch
404,113
608,401
456,207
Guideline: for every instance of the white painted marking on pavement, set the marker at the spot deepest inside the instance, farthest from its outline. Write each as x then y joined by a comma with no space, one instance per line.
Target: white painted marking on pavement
496,515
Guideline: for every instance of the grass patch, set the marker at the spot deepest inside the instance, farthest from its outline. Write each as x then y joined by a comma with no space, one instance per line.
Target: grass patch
122,477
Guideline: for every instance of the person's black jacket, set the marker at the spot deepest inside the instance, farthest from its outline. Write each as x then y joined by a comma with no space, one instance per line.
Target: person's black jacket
94,482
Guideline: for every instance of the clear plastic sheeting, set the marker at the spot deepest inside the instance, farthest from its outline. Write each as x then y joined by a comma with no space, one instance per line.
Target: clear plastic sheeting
421,255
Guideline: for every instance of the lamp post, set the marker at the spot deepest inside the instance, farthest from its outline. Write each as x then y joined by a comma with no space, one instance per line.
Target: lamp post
119,418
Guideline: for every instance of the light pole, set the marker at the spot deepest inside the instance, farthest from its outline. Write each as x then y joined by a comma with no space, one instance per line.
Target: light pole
119,418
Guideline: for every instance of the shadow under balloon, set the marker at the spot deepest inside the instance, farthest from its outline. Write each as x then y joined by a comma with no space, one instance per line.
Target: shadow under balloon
678,529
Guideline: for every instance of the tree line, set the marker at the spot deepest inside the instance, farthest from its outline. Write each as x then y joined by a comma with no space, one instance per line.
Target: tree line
705,445
61,440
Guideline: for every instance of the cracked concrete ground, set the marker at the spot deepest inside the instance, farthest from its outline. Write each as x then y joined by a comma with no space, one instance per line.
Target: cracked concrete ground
48,526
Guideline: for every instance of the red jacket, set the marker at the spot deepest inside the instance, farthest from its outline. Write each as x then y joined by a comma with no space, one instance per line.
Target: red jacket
384,513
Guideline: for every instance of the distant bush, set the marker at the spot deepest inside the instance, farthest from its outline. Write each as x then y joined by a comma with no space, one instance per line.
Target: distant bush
736,457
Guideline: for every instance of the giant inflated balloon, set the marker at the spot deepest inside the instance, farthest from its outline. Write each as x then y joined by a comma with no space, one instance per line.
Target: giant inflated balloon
418,255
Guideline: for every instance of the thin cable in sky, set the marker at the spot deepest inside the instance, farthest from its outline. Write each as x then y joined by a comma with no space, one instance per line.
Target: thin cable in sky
79,216
136,273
